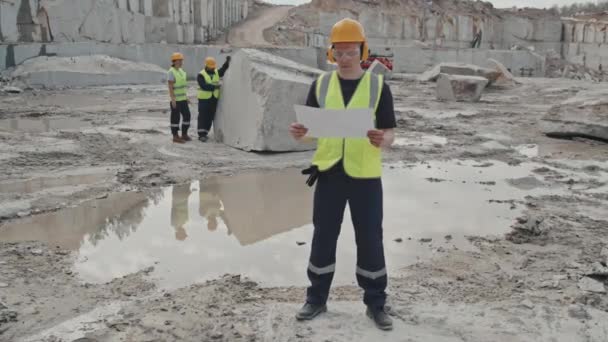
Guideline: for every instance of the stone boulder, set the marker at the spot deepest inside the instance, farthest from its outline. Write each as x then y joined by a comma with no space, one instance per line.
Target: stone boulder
256,106
585,116
84,71
460,88
458,69
505,77
381,69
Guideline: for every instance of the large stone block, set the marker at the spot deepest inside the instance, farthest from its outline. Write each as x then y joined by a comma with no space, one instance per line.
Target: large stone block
155,29
505,77
8,21
460,88
256,105
161,8
85,71
188,33
146,8
585,115
76,20
380,69
132,27
458,69
200,35
175,33
133,6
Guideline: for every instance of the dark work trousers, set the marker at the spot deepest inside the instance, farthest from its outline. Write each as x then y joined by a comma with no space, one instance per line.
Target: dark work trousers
183,108
364,196
206,114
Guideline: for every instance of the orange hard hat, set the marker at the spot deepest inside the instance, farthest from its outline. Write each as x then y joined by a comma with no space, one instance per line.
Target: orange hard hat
210,63
348,31
176,56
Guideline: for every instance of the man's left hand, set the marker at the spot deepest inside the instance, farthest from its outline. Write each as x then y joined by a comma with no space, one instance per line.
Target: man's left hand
376,137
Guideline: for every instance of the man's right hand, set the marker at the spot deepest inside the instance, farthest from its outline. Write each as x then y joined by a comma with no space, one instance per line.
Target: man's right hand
173,104
297,130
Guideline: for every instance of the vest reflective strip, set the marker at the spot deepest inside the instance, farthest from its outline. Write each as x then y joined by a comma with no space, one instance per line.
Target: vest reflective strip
321,270
373,99
369,274
323,88
186,123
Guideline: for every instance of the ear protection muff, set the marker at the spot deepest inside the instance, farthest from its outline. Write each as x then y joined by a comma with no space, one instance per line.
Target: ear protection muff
363,56
330,55
364,51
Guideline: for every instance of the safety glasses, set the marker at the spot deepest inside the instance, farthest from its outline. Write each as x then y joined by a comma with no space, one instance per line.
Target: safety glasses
348,53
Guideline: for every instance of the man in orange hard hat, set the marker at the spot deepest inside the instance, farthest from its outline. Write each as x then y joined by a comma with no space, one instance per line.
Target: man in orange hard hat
178,92
348,170
208,94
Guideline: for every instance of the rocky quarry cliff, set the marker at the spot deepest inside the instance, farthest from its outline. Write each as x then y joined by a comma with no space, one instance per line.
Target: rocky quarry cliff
118,21
449,24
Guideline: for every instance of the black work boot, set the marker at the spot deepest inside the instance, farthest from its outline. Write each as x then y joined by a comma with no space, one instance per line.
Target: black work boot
380,317
310,311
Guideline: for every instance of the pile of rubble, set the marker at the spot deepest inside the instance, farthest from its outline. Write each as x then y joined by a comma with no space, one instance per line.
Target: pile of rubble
557,67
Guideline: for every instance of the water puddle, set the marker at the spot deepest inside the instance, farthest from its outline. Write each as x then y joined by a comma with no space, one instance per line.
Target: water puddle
422,141
43,183
259,224
41,125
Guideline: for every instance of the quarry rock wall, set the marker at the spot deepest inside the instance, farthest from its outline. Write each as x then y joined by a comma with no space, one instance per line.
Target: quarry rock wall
118,21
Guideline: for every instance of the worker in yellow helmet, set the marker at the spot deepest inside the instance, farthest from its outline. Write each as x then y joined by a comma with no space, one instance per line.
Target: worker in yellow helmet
178,92
208,94
348,170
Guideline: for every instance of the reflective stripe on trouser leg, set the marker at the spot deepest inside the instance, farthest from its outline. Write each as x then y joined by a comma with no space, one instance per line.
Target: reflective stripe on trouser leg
328,210
184,108
365,203
174,120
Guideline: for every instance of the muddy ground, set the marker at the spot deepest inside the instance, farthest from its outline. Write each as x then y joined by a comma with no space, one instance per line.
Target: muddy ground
543,279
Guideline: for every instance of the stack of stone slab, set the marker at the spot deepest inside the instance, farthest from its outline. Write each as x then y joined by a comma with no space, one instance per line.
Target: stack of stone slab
585,115
256,105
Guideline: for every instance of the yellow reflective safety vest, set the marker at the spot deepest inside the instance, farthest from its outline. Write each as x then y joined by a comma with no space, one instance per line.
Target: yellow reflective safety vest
204,94
360,158
180,86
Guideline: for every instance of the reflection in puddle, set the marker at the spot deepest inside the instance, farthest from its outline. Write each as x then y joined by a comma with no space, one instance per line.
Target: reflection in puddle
90,222
42,183
253,224
41,125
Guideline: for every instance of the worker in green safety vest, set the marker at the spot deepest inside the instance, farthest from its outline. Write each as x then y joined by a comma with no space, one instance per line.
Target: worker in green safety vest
208,94
348,170
178,92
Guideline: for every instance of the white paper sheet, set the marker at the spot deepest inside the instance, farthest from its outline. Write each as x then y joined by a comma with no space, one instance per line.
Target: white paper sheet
332,123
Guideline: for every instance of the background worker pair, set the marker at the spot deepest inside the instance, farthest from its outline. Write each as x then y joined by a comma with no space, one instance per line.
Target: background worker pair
208,94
